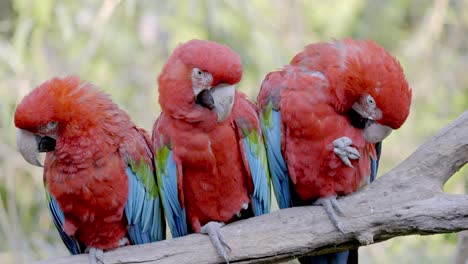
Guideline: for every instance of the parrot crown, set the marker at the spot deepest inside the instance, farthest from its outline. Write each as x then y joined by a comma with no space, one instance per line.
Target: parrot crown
176,96
371,69
219,60
65,100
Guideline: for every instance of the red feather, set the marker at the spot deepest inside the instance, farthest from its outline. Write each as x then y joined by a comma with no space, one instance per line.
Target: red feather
353,67
312,124
86,172
212,178
314,93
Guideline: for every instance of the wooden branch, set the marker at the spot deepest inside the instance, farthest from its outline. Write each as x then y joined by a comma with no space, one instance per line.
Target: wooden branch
408,200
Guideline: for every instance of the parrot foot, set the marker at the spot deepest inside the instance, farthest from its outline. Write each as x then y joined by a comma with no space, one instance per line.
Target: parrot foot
213,230
96,255
245,206
123,242
342,148
330,204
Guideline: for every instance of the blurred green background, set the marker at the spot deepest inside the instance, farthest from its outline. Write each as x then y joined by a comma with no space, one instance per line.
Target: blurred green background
122,45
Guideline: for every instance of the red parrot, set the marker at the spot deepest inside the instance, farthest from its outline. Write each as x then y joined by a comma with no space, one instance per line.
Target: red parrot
99,175
210,156
323,117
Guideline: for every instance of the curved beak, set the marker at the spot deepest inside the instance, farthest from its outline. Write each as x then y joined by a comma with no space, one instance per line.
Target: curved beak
219,99
375,132
357,107
29,145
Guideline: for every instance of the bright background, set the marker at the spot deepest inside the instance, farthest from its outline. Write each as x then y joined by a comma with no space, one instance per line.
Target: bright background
122,45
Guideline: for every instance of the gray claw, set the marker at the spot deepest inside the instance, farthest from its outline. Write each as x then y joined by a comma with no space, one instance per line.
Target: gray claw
123,242
213,230
96,255
342,148
342,142
331,205
336,206
346,161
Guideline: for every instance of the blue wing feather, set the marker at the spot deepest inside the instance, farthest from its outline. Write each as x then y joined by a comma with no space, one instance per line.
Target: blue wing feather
148,210
157,214
256,157
271,126
145,225
375,162
73,246
167,179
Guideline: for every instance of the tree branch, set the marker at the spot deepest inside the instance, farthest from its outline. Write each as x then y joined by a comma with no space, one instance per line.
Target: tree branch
408,200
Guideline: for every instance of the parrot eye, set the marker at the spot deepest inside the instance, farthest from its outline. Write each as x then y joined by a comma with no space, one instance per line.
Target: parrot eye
200,80
197,72
370,101
51,125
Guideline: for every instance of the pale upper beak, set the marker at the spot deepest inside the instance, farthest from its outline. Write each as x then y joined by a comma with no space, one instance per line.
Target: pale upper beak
220,99
29,145
375,132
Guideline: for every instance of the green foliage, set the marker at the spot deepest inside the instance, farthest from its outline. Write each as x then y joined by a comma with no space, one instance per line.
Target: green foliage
122,45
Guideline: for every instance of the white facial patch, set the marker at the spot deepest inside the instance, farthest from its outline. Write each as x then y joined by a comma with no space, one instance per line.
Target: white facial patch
49,127
200,80
367,108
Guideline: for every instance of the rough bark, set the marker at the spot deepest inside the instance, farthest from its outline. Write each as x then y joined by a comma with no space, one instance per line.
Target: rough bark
407,200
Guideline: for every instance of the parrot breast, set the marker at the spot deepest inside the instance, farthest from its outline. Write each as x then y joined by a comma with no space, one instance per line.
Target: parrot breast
214,177
311,125
92,196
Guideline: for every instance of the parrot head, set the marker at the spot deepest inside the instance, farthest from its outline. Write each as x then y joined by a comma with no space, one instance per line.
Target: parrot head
197,82
377,89
56,108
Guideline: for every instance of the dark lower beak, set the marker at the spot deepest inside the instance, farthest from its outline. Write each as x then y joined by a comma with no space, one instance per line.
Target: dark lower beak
373,132
357,120
205,99
46,144
219,98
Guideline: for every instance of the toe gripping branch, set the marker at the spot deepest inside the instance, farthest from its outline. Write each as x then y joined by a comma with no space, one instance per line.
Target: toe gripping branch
213,230
332,208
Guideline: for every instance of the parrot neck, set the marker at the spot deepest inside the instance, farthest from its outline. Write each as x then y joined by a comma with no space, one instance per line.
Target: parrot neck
344,100
182,107
81,149
190,113
177,99
81,142
344,92
204,124
346,78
